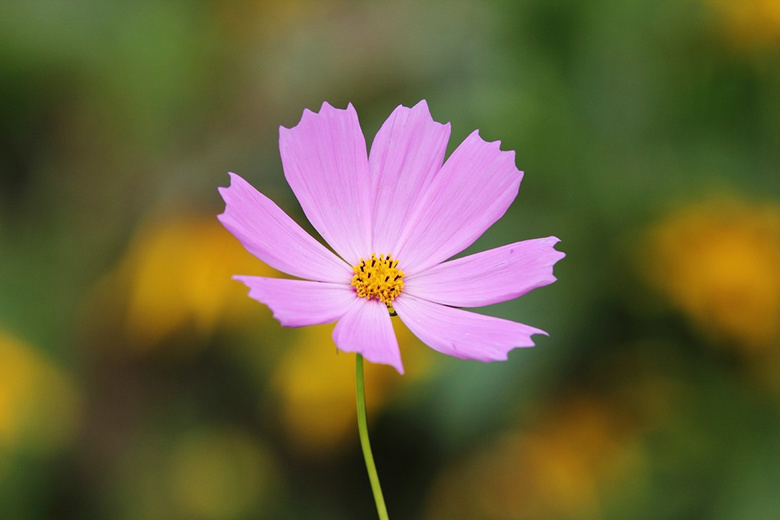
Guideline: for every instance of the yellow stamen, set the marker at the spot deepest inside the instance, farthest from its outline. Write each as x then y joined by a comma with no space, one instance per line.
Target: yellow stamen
378,278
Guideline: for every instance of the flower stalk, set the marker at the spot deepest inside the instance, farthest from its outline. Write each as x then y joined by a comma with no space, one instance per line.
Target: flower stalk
376,488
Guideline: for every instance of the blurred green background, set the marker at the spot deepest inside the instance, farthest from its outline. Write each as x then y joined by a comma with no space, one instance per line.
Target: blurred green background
137,381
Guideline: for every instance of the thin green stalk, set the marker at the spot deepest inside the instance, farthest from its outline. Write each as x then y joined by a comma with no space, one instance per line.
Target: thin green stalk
364,442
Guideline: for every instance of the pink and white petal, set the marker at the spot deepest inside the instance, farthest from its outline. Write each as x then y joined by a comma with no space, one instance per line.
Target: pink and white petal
492,276
366,328
299,303
474,188
406,153
460,333
268,233
326,164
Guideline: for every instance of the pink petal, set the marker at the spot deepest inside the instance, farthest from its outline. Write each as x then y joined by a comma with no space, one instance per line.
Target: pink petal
298,303
366,328
489,277
326,165
473,189
460,333
268,233
406,153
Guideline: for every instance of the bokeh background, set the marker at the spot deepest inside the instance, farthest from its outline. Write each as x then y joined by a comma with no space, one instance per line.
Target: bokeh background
137,381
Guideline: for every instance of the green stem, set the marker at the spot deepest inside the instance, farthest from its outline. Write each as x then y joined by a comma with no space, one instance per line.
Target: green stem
364,442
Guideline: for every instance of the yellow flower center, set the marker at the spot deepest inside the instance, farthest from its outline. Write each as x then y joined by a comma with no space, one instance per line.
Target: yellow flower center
378,278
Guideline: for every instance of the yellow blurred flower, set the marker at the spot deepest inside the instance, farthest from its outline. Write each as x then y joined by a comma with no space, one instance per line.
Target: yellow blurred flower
204,473
40,404
267,18
719,262
315,385
750,23
220,475
563,468
177,273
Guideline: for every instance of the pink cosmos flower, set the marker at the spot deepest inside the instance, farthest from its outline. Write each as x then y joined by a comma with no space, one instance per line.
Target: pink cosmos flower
393,218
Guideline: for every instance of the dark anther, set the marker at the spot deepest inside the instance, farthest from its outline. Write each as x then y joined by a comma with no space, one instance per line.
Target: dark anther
387,278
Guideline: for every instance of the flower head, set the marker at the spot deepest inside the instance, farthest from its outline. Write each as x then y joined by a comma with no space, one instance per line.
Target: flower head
393,217
716,261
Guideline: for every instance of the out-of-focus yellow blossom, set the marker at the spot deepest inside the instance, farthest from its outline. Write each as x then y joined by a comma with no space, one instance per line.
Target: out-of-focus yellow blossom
178,272
564,468
221,474
267,18
750,23
316,386
205,473
40,404
719,262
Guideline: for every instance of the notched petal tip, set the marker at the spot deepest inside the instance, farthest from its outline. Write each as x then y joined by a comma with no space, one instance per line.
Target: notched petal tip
422,108
554,255
309,114
419,112
326,109
539,331
251,292
507,156
236,181
309,117
492,144
224,192
231,178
